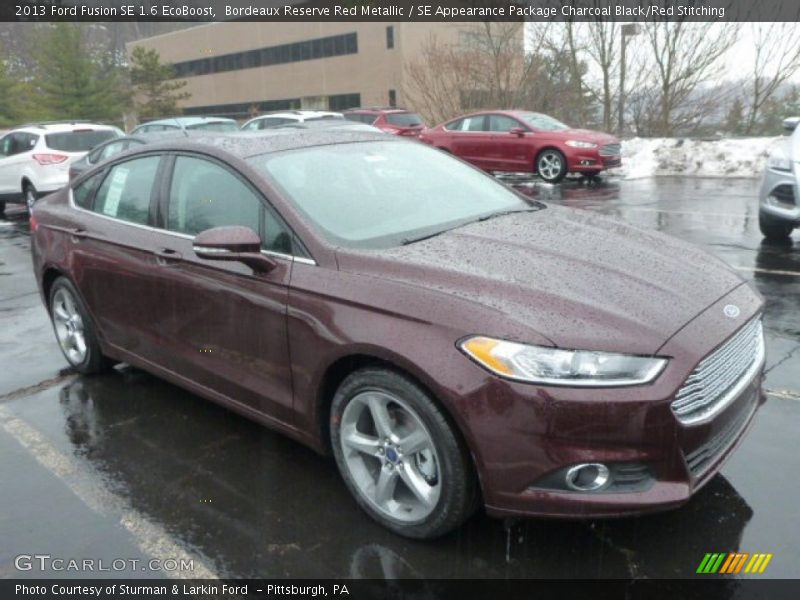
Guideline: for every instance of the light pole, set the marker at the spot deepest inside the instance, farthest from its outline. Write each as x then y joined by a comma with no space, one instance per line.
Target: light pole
628,30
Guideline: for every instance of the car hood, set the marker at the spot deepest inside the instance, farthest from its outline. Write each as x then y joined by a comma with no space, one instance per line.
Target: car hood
579,280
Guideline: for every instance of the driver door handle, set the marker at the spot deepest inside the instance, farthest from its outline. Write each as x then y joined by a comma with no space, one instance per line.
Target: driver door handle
165,256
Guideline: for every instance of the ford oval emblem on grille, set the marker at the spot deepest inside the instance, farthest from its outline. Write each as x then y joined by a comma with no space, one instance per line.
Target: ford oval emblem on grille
731,310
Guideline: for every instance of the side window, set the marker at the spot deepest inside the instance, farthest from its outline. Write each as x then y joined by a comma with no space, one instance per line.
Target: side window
454,125
275,237
254,126
82,194
125,192
5,145
113,149
204,195
473,124
502,123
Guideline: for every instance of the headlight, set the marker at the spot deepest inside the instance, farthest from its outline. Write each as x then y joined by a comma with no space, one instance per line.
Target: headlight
554,366
578,144
779,163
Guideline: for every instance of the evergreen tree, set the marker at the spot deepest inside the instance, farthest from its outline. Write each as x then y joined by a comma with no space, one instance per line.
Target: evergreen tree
72,81
11,112
735,118
157,94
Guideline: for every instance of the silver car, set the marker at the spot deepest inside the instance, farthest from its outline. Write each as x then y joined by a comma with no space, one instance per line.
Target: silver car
779,209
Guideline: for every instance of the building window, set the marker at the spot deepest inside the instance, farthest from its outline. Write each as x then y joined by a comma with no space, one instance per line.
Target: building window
344,101
392,98
390,37
335,45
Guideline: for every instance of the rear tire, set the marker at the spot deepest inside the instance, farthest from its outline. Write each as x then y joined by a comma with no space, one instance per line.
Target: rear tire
775,230
399,456
29,194
74,329
2,208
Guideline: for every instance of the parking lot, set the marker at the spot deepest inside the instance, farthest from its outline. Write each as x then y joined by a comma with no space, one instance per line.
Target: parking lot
125,466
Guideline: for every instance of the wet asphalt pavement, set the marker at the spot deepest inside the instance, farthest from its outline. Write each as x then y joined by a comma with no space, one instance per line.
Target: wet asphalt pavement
125,466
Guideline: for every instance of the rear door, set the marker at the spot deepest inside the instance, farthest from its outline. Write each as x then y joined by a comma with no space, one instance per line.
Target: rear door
471,140
112,248
14,159
219,323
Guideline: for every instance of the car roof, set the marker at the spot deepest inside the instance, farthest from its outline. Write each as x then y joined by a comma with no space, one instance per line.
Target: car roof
62,127
248,144
378,109
187,121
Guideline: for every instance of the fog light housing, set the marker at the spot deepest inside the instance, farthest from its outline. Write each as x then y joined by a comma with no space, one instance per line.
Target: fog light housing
588,477
587,163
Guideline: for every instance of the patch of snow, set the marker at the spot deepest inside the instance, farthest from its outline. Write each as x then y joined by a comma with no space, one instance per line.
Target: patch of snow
726,157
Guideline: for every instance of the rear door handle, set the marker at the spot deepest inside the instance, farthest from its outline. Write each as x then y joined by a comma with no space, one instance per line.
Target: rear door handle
78,234
166,256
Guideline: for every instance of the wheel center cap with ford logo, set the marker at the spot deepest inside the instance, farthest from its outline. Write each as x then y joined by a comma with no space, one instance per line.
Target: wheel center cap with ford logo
391,455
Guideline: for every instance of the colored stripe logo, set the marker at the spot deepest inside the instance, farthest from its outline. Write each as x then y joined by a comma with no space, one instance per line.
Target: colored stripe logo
734,562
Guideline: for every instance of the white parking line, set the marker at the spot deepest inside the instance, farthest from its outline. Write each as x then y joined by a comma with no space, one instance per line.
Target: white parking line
784,394
686,212
770,271
150,538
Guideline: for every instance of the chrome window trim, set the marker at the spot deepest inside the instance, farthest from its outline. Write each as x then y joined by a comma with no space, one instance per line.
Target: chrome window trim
290,257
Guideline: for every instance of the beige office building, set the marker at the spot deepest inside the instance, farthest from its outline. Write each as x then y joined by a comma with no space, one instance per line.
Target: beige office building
238,69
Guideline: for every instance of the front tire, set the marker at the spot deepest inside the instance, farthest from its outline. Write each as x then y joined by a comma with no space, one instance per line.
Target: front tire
74,329
399,456
551,165
775,230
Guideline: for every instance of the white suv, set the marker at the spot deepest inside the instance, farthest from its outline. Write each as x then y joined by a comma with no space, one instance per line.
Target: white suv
35,158
289,117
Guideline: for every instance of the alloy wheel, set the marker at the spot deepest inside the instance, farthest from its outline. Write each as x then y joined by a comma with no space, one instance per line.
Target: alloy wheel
549,166
69,326
390,455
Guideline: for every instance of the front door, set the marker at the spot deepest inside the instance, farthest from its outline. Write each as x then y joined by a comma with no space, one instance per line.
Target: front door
221,324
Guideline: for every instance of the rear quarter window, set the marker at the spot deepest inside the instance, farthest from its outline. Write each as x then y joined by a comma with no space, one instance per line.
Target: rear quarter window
83,192
125,192
78,141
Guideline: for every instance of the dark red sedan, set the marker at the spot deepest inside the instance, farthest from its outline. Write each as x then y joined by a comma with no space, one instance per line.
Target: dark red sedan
519,141
397,121
452,343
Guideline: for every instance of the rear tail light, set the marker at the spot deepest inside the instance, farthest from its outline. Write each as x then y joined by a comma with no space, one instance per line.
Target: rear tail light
34,223
49,159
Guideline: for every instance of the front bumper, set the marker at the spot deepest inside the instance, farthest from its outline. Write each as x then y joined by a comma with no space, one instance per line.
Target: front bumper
593,162
779,195
527,434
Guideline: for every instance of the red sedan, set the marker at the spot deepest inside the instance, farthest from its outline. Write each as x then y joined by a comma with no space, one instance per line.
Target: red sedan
520,141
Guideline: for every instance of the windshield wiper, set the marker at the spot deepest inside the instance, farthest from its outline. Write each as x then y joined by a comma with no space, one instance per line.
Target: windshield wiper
407,241
503,213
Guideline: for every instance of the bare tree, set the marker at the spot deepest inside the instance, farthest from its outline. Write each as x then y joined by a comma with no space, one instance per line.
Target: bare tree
487,68
776,59
685,56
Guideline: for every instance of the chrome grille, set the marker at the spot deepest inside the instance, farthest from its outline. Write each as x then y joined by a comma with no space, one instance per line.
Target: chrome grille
610,150
720,377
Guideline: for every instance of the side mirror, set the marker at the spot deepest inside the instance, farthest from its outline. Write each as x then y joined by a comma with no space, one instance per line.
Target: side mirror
517,131
240,244
791,123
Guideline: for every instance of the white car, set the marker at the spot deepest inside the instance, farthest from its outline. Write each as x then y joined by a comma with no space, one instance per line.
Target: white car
779,197
35,158
289,117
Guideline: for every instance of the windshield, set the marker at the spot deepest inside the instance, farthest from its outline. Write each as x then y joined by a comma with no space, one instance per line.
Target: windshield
385,193
78,141
217,126
404,119
540,121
